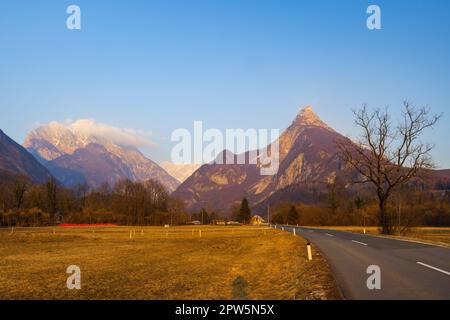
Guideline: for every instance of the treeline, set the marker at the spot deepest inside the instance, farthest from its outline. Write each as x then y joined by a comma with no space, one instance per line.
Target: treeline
239,213
23,203
340,206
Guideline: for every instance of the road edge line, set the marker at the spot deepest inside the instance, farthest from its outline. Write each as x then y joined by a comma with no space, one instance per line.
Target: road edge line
431,244
361,243
433,268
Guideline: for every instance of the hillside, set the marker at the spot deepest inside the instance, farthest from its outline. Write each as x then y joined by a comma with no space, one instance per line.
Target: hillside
17,160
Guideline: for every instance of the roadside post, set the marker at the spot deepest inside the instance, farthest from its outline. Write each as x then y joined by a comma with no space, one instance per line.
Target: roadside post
308,248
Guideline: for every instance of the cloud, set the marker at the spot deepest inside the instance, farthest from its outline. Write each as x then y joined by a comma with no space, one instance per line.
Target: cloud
116,135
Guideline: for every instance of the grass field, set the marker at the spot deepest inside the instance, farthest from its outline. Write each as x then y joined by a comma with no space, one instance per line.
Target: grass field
437,235
162,264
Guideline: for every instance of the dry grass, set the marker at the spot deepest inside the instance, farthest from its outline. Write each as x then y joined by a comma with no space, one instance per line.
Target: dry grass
436,235
225,263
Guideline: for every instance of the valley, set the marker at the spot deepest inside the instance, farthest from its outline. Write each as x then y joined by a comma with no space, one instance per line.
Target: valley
197,157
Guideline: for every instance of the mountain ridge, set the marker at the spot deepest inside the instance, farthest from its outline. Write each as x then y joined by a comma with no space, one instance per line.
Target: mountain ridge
17,160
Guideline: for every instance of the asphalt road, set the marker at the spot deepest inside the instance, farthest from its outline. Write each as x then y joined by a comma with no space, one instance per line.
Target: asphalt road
408,270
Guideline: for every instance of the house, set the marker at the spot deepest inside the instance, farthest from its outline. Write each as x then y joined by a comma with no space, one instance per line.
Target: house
257,220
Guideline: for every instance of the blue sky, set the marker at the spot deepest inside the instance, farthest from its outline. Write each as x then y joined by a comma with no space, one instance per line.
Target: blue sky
160,65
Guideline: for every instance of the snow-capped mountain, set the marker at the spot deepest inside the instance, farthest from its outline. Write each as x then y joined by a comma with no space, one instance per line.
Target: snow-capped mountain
180,171
68,151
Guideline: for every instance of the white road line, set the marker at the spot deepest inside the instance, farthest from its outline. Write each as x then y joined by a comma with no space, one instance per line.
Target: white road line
330,235
434,268
364,244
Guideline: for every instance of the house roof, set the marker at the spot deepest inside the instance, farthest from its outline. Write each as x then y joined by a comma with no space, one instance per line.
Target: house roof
257,217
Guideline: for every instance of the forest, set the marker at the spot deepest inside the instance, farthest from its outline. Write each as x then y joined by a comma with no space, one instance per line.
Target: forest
23,203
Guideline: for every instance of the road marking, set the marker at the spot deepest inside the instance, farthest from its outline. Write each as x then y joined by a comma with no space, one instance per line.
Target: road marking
434,268
364,244
330,235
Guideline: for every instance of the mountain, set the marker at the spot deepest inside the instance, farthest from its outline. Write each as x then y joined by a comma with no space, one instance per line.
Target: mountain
180,171
308,159
77,156
96,164
16,159
217,186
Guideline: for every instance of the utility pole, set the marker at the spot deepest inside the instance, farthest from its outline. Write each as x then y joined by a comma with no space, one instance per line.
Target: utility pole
268,214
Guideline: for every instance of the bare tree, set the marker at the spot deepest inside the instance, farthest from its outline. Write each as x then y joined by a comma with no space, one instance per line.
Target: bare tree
51,187
389,155
19,188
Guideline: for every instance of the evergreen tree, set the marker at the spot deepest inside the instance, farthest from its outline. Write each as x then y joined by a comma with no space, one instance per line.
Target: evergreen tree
52,196
203,216
293,216
245,214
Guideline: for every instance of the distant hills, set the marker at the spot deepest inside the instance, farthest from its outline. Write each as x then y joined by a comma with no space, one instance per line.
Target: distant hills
15,159
180,171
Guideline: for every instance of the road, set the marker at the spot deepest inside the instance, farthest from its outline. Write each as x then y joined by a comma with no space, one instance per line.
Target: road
409,270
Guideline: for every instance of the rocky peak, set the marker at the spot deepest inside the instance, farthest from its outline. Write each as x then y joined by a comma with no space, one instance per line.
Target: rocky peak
307,117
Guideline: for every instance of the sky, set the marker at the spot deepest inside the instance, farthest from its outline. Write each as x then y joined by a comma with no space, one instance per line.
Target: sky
155,66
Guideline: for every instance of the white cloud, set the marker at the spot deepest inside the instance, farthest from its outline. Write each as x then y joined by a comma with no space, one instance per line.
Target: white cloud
116,135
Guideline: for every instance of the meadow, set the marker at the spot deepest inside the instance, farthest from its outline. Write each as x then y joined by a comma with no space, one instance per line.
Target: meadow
153,263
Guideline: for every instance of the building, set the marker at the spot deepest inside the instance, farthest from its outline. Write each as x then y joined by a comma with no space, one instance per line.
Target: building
257,220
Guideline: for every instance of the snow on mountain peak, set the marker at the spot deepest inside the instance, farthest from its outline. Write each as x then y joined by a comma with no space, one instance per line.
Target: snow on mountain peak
78,134
56,143
180,171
